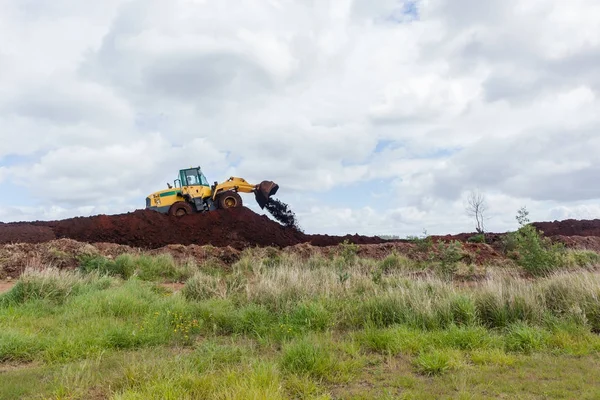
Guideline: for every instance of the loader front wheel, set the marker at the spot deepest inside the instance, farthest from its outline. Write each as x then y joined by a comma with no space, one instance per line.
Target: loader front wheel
180,209
229,199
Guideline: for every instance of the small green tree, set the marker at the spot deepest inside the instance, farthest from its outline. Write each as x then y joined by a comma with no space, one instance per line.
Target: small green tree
522,216
531,250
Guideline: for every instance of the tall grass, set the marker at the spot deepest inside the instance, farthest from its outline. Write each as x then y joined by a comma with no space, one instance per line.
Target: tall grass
145,267
424,303
52,284
286,328
72,314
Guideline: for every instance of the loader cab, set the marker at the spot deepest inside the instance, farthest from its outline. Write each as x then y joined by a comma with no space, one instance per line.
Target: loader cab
191,177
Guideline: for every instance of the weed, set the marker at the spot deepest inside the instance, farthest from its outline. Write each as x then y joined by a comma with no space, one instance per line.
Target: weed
393,262
308,357
53,285
464,311
311,316
434,362
581,258
449,255
385,341
17,346
348,251
525,339
423,244
210,355
493,356
479,238
203,287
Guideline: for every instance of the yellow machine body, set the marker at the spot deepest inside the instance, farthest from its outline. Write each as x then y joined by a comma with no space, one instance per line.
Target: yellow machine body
192,193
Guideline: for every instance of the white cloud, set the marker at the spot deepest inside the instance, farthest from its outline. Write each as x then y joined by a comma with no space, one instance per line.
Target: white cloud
111,101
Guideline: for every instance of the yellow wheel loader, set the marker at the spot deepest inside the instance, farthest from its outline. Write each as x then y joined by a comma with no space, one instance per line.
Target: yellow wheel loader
191,193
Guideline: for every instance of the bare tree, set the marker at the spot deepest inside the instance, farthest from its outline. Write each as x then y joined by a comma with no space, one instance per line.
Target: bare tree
476,207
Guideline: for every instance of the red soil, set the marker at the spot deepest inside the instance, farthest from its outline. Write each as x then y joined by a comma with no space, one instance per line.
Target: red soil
238,228
25,233
570,227
6,286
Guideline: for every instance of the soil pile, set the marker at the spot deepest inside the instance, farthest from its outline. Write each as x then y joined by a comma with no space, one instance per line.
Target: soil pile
570,227
579,242
25,233
237,227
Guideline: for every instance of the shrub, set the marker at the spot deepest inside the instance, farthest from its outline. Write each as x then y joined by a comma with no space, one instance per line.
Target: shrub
536,254
479,238
582,258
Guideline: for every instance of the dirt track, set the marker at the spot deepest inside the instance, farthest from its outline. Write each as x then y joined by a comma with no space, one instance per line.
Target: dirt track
238,228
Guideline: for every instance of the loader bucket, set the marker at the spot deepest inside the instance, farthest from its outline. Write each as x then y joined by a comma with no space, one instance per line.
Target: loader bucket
263,192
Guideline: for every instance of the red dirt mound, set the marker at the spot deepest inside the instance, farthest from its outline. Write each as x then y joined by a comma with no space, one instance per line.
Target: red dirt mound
238,228
579,242
25,233
570,227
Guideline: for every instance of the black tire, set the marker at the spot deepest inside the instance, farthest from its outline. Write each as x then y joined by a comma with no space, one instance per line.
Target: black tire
180,209
229,199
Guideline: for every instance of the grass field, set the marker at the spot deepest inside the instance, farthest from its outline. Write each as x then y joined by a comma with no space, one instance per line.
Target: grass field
277,327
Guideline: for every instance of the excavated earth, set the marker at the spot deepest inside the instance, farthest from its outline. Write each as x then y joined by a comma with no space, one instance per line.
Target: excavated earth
238,227
221,236
570,227
67,253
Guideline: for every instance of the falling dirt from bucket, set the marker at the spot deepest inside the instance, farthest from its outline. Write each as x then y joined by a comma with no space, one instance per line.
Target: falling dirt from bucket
282,213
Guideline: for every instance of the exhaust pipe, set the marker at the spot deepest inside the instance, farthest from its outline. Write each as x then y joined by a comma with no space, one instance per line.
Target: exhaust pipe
263,192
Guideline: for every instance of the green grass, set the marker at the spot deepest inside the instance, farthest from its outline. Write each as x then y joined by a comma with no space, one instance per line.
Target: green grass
149,268
293,329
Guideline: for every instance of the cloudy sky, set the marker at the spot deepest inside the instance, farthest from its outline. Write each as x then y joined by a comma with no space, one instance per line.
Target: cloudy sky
374,116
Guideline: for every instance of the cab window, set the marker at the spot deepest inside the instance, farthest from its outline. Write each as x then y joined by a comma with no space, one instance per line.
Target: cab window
189,177
192,177
203,180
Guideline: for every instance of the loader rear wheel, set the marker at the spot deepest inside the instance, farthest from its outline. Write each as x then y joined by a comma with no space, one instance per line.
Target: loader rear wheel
229,199
180,209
